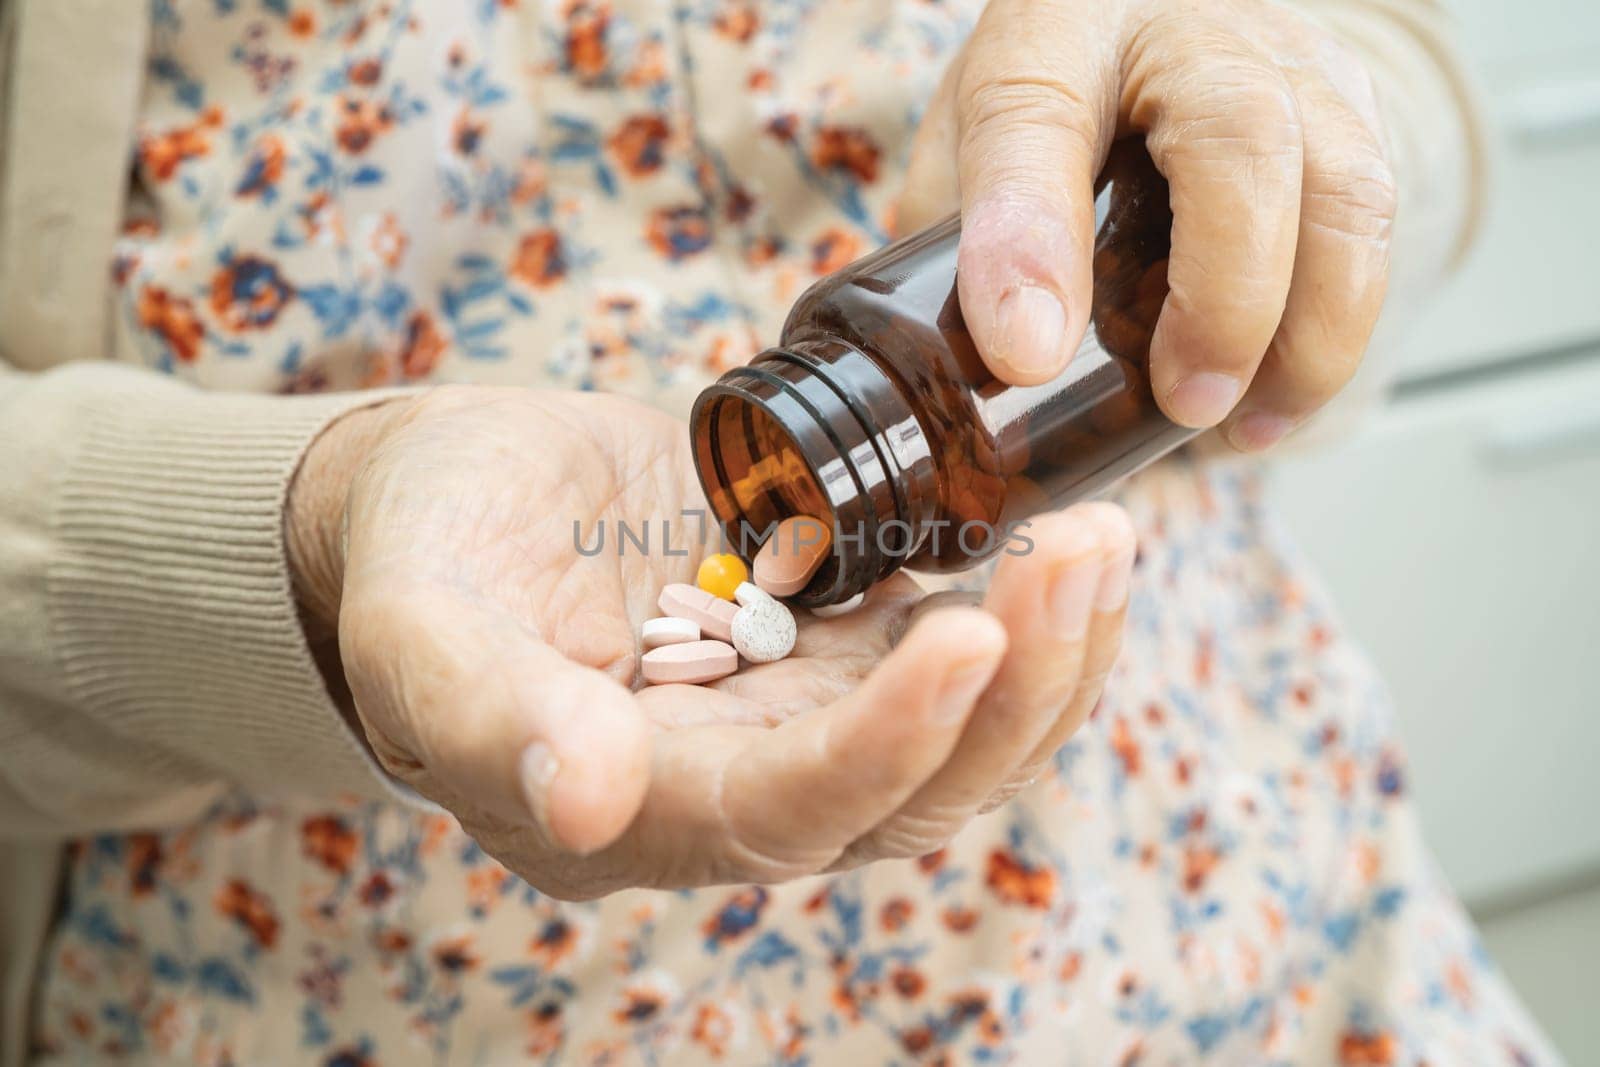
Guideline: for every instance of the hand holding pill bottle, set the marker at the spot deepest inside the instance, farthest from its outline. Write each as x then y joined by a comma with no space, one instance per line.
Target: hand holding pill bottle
876,415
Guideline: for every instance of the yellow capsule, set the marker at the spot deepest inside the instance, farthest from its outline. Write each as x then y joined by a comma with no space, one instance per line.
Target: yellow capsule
720,575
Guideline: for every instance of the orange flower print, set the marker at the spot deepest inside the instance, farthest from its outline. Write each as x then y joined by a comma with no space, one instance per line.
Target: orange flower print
587,23
174,320
640,1004
466,132
484,885
302,23
786,1035
554,942
250,909
361,122
540,261
144,863
377,890
1125,746
896,913
1358,1049
162,154
760,251
907,982
546,1032
390,941
455,955
389,241
247,293
639,144
959,919
783,126
834,249
330,841
1016,882
263,169
737,22
365,72
679,232
735,918
1198,863
712,1030
917,1040
421,347
846,148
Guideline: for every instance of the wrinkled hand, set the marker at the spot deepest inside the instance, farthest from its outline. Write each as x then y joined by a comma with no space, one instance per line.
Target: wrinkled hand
1267,131
492,663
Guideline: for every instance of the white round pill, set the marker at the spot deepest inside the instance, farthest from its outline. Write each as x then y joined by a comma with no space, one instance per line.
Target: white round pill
843,607
763,630
668,630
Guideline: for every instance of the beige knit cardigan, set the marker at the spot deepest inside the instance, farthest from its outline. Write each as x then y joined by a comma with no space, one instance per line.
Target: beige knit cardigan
150,653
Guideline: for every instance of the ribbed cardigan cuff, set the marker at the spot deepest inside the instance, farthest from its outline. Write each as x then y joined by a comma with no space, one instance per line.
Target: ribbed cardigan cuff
171,606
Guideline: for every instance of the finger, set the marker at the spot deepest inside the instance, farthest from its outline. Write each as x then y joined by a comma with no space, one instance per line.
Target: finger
1104,643
469,707
804,791
1341,272
931,190
1223,126
1035,111
1044,601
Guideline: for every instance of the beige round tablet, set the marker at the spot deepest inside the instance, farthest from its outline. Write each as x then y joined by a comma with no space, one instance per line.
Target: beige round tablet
690,663
668,631
792,555
712,614
764,630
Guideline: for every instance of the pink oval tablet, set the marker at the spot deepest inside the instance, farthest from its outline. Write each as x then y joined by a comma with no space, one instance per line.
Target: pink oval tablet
689,664
792,555
713,614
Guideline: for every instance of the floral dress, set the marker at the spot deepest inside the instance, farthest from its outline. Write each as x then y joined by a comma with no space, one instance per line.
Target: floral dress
1224,866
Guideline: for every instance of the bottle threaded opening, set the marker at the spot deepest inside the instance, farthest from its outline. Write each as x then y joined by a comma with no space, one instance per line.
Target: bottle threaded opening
817,428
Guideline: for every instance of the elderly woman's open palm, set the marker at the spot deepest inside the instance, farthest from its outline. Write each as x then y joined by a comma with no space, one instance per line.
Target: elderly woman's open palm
492,662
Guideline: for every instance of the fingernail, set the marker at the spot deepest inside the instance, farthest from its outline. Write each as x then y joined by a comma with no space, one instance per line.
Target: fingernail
1070,595
1258,430
1028,327
1112,592
960,688
1204,399
539,767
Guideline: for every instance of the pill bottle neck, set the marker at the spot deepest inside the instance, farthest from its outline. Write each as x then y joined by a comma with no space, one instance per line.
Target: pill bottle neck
817,426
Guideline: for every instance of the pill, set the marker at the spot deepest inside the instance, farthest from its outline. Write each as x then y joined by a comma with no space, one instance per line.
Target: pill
763,630
792,555
721,574
668,630
843,607
712,614
690,663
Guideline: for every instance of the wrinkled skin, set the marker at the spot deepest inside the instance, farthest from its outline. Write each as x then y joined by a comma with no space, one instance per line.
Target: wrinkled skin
472,631
491,664
1267,130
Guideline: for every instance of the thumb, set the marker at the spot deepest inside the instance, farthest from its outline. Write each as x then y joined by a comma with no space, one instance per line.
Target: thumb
470,707
1034,119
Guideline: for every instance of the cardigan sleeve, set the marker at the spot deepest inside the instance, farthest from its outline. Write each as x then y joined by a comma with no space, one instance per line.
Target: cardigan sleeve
151,651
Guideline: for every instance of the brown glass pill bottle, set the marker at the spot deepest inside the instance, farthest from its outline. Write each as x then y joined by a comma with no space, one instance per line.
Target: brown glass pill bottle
875,413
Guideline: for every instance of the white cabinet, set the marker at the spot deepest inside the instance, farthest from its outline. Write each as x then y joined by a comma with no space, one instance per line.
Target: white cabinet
1533,280
1460,535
